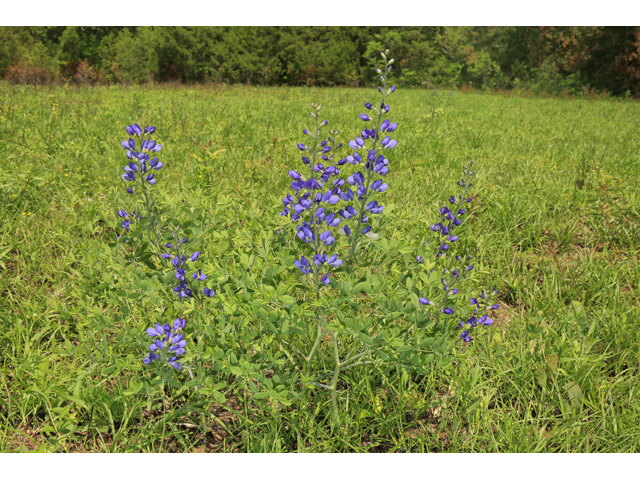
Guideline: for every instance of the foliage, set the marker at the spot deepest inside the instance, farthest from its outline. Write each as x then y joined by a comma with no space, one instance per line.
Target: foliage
542,59
76,312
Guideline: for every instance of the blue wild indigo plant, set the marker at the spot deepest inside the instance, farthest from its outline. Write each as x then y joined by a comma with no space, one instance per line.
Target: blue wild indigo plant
324,201
152,225
325,198
456,269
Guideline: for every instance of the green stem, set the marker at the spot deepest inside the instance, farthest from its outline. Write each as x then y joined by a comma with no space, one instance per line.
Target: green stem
361,213
319,336
334,381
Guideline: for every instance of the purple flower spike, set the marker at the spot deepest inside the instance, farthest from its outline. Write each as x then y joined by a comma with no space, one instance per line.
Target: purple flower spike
301,147
166,335
364,118
448,311
136,129
424,301
195,256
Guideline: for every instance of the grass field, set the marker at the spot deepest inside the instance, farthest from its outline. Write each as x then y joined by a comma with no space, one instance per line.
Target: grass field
555,219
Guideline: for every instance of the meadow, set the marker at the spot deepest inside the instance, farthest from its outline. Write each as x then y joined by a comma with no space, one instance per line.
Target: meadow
555,224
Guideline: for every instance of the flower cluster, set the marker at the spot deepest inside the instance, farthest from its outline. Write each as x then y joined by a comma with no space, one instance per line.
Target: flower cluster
138,154
314,197
168,342
179,260
367,148
450,216
126,223
480,316
456,269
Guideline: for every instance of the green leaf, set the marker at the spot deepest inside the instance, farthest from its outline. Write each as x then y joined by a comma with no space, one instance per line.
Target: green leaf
552,363
287,300
44,366
285,325
365,338
575,393
219,386
219,397
362,287
414,300
381,354
355,306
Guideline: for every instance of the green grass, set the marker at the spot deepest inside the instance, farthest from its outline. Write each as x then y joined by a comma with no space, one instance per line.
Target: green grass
556,222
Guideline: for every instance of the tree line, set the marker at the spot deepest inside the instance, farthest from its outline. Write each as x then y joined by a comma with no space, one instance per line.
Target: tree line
543,59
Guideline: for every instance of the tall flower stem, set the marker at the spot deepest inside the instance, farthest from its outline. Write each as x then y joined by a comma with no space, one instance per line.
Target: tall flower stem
334,381
355,239
316,279
153,221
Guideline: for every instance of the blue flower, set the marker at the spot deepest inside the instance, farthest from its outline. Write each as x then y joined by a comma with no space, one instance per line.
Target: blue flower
164,335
